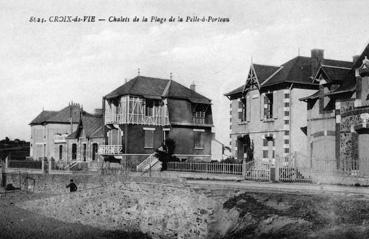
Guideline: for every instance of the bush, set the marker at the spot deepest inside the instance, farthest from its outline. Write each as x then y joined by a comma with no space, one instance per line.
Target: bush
231,160
166,154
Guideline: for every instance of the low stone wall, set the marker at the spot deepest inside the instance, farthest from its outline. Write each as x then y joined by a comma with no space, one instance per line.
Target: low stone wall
160,210
56,183
340,179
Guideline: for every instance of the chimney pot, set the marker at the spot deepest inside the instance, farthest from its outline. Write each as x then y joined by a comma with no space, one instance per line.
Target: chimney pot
193,86
355,58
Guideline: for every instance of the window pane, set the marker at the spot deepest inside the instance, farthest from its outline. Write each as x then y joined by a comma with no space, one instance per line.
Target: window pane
149,139
60,152
199,140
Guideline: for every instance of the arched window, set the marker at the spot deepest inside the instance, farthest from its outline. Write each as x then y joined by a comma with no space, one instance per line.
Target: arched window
74,151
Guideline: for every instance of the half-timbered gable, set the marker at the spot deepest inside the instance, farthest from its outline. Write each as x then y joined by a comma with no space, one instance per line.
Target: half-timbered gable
142,113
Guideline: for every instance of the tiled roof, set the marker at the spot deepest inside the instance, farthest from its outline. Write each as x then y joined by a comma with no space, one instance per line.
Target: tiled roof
235,91
335,73
360,59
263,72
311,97
349,84
92,126
297,70
62,116
156,88
42,117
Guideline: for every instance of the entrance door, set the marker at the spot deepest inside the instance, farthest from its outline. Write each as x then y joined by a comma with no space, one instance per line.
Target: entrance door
74,151
84,151
94,151
244,148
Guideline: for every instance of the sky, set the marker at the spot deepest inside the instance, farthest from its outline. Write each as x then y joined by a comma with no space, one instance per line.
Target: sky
47,65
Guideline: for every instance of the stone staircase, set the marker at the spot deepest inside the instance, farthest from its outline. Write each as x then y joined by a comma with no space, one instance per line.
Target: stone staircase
151,162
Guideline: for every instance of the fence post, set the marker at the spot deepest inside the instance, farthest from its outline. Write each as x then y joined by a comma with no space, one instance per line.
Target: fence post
42,166
49,164
6,163
277,169
3,172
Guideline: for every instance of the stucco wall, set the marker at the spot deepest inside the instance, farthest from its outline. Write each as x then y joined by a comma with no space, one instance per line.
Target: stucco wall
257,127
185,141
80,142
298,119
45,134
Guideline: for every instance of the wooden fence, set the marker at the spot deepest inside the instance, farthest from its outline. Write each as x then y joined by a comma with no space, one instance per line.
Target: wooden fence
204,167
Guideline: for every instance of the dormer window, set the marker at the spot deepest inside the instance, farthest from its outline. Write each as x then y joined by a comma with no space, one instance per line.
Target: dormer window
199,114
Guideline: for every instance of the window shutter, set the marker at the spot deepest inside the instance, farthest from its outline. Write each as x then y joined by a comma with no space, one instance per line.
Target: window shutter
262,106
266,107
248,108
240,116
239,110
275,104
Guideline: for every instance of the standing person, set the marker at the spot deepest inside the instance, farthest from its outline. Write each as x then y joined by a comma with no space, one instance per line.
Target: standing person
72,186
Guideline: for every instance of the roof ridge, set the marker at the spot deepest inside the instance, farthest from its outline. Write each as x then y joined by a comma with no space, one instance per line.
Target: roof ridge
339,67
265,65
166,89
271,76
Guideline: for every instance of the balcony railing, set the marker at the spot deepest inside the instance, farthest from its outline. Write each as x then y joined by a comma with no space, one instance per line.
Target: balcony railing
132,118
110,149
198,120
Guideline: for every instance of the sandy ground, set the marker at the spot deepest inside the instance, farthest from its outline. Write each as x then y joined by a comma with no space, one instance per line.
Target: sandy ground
19,223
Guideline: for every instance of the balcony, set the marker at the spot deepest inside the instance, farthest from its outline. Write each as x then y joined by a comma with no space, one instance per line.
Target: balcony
110,149
198,120
139,119
134,110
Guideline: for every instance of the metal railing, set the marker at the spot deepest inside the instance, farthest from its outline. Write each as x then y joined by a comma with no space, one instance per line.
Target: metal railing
203,167
198,120
110,149
132,118
148,163
288,174
257,170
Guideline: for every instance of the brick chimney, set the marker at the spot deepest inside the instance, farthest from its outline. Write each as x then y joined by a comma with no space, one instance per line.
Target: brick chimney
317,55
354,58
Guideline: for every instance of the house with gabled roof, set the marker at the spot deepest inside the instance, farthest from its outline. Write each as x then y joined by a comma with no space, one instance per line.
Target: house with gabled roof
49,130
84,142
143,112
267,118
337,117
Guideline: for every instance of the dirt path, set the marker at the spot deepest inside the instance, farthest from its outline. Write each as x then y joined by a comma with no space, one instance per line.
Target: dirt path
19,223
